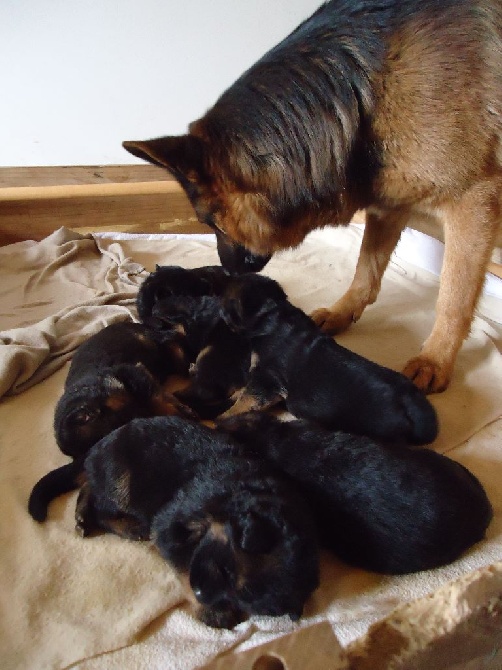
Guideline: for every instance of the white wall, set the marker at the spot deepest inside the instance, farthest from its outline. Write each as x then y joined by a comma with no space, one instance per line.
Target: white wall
79,76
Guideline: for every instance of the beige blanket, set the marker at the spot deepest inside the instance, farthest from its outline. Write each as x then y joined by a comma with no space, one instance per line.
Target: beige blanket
107,603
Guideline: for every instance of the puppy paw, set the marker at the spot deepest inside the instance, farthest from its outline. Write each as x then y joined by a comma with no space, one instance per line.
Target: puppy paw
332,322
81,527
427,374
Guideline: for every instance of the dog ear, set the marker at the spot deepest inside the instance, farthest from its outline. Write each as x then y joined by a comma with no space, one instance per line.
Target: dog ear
182,155
257,534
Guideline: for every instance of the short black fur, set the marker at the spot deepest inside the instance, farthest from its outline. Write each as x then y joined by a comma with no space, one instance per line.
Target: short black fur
384,508
319,379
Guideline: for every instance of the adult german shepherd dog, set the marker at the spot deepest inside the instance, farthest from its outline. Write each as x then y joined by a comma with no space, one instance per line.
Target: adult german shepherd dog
392,106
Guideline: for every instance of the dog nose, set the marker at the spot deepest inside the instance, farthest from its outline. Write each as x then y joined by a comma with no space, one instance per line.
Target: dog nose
235,258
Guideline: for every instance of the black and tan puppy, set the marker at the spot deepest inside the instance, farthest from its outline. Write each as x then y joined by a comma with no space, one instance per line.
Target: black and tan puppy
170,281
319,379
136,469
186,304
114,376
245,539
126,343
392,106
383,508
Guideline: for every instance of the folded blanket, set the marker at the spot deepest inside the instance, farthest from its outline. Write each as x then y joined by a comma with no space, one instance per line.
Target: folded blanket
107,603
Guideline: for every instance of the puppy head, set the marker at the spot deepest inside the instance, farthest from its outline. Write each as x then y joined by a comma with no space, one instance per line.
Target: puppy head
168,281
98,404
240,218
249,299
246,551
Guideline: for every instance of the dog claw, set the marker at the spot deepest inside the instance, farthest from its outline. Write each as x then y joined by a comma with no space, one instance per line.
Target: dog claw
332,322
427,375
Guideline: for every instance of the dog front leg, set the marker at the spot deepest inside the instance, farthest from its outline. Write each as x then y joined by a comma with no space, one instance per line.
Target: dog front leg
381,234
470,227
86,522
261,392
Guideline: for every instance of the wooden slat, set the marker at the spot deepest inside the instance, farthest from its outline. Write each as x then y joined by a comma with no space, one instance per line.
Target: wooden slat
28,193
116,198
113,210
76,174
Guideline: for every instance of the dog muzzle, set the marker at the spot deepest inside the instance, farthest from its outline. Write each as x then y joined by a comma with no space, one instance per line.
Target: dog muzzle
235,258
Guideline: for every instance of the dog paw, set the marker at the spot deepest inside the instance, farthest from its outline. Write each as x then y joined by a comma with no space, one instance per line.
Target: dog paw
427,375
81,527
331,322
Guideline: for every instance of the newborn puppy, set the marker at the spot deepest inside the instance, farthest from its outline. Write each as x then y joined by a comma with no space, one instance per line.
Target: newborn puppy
131,343
320,380
243,541
172,280
87,412
219,373
106,399
114,376
136,469
191,318
220,358
380,507
242,535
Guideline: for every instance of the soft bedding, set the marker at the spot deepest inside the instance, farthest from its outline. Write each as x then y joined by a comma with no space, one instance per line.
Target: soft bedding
103,602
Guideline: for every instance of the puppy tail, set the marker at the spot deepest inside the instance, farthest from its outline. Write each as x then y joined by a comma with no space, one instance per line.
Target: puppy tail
55,483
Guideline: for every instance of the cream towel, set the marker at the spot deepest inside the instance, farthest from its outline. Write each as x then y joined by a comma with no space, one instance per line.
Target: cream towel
106,603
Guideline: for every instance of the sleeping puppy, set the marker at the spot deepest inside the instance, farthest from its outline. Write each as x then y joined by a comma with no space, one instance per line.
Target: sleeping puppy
136,469
88,411
243,541
170,281
383,508
220,359
185,303
114,376
319,380
130,343
106,399
393,107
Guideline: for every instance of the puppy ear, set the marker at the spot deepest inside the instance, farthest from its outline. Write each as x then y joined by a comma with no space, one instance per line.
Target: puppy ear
257,534
135,379
181,155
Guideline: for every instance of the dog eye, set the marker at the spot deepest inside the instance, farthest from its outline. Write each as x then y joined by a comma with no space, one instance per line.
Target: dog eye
85,415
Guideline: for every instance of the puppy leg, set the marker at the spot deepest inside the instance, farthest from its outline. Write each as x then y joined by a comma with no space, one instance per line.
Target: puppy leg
86,522
261,392
381,234
470,226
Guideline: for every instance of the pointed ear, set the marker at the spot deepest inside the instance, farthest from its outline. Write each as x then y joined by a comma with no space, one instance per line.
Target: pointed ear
181,155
